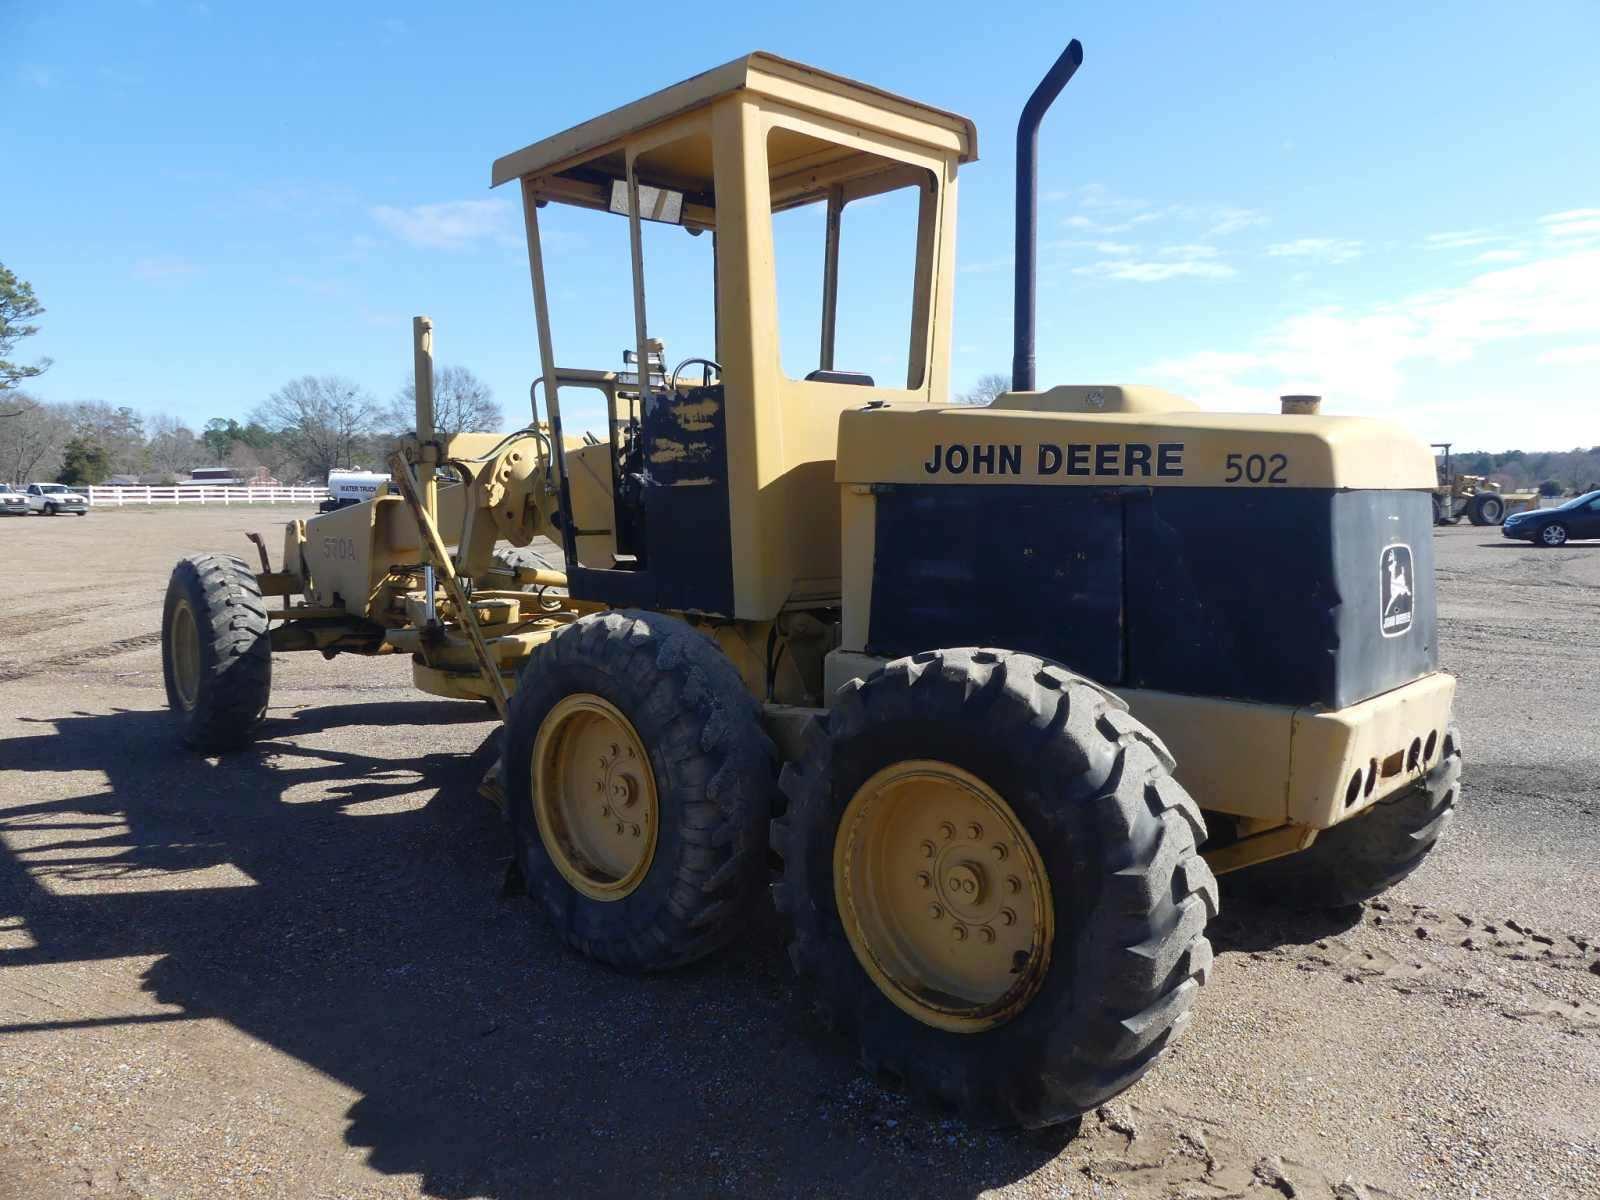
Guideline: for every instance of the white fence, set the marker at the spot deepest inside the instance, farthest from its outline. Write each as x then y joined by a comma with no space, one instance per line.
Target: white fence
116,497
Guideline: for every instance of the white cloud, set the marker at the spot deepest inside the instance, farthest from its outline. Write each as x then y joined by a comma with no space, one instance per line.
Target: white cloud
1571,356
984,266
1168,262
1461,238
1361,357
1101,211
1583,223
1088,225
1326,250
1500,256
163,269
1098,246
452,225
1231,220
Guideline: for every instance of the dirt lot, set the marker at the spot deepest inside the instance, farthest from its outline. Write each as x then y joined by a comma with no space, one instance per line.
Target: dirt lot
291,972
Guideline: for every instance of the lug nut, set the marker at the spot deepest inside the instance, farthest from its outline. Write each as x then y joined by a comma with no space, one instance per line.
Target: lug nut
974,831
1008,917
959,933
1013,884
999,852
619,826
986,934
928,849
635,831
924,879
947,831
605,810
935,911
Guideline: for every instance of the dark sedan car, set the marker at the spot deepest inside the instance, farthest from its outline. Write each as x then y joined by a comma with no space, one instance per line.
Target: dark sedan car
1579,518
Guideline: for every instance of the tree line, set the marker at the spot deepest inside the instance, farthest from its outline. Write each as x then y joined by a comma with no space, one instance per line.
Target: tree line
1551,472
305,429
299,433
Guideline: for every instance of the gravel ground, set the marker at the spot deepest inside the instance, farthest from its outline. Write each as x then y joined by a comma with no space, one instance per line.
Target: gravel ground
292,973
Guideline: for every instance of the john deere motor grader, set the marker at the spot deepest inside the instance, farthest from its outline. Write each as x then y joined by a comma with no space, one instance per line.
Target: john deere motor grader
993,691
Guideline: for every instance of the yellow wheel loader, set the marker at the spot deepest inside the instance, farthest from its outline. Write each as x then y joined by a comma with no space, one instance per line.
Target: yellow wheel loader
984,696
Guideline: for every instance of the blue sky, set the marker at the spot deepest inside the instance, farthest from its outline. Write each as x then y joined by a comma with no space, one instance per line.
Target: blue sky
1396,206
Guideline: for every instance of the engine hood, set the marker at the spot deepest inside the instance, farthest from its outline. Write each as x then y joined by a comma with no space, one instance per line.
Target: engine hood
1113,436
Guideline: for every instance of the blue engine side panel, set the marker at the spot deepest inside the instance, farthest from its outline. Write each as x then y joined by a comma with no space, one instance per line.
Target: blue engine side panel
1285,596
1037,569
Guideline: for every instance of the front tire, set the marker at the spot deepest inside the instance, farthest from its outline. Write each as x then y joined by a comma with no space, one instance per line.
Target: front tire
1487,509
1553,535
633,724
49,510
216,654
1083,797
1367,855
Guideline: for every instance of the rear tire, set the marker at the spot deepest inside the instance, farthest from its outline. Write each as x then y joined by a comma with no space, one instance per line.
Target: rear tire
1369,854
709,782
216,654
1129,895
1553,535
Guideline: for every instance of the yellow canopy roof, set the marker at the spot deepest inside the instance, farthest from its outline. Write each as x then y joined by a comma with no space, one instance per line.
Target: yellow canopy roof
789,82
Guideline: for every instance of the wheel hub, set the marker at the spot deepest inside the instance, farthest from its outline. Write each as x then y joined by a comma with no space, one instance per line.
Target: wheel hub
183,647
943,896
595,797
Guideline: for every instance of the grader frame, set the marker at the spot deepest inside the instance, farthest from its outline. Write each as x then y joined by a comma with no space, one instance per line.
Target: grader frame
814,572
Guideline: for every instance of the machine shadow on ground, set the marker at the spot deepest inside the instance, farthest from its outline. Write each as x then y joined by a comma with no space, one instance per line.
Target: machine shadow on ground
364,934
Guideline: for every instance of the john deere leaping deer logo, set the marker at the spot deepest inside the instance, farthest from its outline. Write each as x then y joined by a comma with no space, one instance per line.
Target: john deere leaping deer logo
1397,583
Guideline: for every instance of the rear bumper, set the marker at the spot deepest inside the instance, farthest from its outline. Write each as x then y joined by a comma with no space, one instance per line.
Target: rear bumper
1300,765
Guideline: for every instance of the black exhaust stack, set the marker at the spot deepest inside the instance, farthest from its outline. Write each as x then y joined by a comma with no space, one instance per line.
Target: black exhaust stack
1027,265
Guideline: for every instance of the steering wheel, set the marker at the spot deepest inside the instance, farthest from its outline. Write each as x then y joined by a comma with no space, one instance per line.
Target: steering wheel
710,365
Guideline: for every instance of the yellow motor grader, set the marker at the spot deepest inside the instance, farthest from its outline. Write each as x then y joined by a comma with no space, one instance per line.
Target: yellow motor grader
1476,497
984,695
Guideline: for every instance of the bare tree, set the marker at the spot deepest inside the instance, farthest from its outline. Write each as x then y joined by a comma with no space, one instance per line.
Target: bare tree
244,460
32,439
119,431
173,447
320,421
462,403
985,390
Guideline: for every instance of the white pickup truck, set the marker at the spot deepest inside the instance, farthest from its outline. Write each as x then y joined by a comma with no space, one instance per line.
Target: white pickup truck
52,498
12,502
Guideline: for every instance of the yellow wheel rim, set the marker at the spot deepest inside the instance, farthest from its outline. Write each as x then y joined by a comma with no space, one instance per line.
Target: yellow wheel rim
594,797
183,643
943,896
